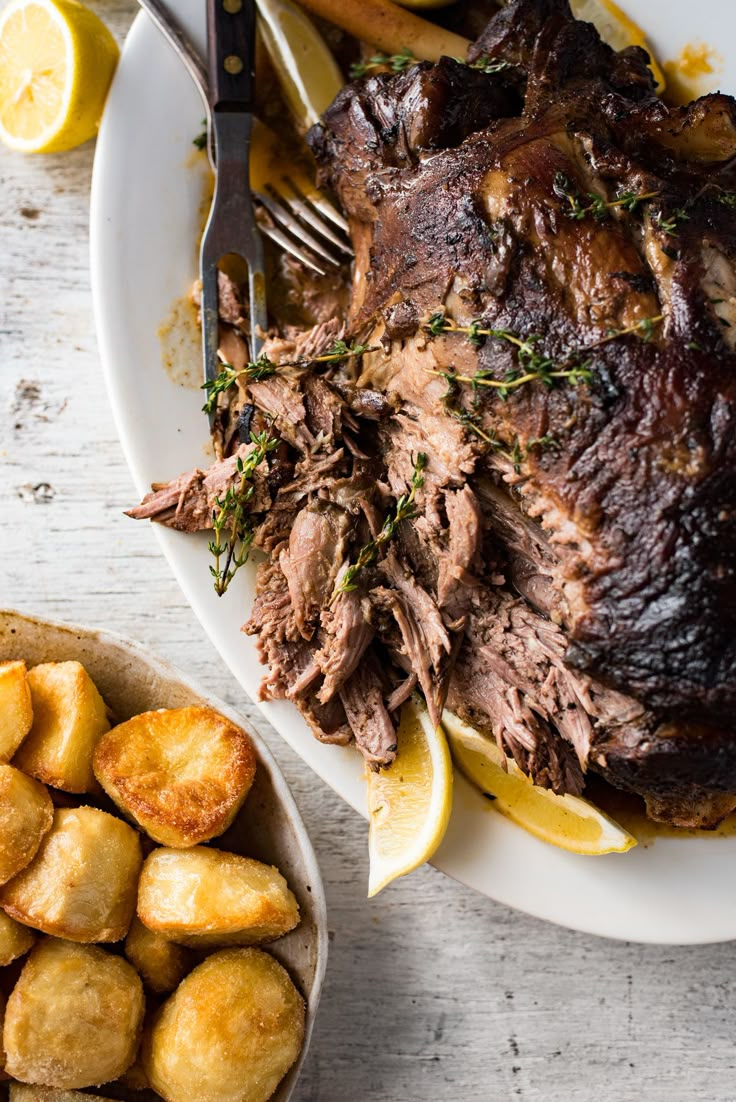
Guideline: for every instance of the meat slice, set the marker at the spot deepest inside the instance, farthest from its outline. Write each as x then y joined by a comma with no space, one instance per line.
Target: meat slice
345,635
426,642
459,564
293,673
187,502
362,698
310,564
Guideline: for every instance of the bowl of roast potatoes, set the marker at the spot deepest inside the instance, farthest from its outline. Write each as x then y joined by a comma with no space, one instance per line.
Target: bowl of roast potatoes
162,919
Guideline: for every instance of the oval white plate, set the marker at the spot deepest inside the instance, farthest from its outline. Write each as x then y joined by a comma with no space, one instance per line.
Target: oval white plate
132,680
144,222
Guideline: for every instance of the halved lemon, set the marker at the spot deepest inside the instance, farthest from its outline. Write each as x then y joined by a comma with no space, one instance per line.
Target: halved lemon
409,803
568,822
56,63
615,28
307,71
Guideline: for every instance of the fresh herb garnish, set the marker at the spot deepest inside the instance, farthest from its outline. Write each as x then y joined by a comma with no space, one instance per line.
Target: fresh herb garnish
228,377
533,364
261,368
644,328
486,64
728,198
200,142
595,205
396,63
233,534
399,63
404,510
669,225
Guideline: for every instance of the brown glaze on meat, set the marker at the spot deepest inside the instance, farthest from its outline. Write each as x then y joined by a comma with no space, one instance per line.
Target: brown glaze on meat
567,582
636,499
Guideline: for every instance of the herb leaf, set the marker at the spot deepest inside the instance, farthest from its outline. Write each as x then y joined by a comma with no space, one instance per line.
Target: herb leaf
233,533
596,206
533,364
404,510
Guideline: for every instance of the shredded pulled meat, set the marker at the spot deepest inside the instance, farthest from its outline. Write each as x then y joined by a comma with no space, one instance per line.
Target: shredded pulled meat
537,249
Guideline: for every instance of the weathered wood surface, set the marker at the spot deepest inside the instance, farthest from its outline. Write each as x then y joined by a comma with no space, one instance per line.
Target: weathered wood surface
434,994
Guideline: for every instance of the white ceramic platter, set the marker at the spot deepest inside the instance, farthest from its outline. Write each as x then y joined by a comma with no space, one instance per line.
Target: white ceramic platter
145,219
268,827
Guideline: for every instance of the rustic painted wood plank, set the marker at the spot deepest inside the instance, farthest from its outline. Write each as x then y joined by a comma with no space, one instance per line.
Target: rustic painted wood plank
434,994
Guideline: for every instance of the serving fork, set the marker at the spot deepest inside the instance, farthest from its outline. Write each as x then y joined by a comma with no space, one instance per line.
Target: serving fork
300,219
231,228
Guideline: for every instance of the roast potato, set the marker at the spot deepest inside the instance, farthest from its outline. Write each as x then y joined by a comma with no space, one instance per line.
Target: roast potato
15,940
26,814
229,1033
74,1017
23,1092
180,774
69,715
81,885
16,711
205,897
160,963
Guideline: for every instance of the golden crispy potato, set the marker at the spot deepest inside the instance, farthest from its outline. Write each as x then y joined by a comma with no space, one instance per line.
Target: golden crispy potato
181,774
229,1033
16,711
74,1017
82,883
69,715
205,897
15,940
26,814
161,964
23,1092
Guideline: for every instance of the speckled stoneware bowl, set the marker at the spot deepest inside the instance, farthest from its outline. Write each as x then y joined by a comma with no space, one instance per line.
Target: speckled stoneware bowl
269,827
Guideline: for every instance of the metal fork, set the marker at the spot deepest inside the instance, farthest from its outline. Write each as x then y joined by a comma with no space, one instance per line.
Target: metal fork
231,227
299,218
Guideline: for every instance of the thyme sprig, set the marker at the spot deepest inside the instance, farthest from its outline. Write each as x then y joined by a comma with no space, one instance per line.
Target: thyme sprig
596,206
533,364
669,225
233,533
403,510
644,328
263,367
486,64
396,63
228,377
399,63
728,198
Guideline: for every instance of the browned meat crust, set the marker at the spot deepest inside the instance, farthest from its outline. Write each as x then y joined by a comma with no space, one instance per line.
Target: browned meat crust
473,219
567,582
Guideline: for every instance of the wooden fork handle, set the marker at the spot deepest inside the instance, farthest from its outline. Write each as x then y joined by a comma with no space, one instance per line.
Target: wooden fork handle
231,38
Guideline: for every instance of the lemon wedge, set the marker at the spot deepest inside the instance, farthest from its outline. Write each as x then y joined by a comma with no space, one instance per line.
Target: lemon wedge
567,822
409,803
615,28
307,71
56,63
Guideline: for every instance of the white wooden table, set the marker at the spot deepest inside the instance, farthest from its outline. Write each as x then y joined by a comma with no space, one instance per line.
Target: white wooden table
434,994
